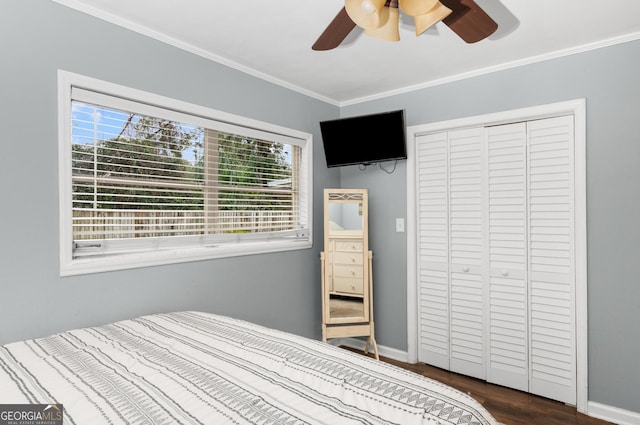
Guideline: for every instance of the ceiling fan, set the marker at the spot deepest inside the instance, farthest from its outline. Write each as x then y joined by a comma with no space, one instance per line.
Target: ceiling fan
380,19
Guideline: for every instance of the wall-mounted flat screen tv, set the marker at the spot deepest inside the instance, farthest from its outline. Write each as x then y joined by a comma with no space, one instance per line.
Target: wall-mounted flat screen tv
365,139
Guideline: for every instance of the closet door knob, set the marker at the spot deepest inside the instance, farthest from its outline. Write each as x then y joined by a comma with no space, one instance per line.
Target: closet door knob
465,269
505,273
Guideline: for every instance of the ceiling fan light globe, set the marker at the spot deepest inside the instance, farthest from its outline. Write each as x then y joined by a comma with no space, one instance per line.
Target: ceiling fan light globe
389,30
417,7
436,14
367,7
365,13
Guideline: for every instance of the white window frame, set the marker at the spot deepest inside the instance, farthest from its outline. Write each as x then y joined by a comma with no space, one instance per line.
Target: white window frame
84,265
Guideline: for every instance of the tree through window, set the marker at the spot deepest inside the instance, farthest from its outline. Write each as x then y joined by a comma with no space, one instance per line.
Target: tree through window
137,176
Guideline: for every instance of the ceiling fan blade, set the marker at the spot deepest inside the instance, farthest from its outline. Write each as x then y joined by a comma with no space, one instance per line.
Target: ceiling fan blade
335,33
468,20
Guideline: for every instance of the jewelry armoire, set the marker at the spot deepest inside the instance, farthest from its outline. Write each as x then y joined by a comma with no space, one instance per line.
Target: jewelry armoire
347,301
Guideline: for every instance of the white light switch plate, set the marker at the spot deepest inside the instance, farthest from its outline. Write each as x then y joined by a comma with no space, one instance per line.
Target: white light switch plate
399,225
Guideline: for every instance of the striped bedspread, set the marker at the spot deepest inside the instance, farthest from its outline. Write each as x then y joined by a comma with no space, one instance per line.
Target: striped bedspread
200,368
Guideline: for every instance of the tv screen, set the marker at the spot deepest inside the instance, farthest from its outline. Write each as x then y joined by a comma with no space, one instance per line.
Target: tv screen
365,139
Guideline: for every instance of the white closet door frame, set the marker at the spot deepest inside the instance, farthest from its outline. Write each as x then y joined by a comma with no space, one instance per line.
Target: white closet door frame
577,108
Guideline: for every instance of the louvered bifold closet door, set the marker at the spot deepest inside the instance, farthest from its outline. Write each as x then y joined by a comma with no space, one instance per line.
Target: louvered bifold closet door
496,254
450,248
507,345
466,206
551,259
433,248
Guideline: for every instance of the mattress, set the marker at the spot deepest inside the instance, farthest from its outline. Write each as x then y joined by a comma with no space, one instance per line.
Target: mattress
202,368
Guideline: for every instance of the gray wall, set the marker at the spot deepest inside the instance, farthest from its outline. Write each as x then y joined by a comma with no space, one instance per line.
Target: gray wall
608,79
38,38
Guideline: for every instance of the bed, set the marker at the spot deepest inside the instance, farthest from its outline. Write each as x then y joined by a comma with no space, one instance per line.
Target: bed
201,368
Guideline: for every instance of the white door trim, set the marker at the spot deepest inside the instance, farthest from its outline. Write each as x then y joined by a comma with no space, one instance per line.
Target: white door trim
577,108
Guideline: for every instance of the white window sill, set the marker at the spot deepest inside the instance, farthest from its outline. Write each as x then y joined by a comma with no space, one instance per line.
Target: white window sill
80,266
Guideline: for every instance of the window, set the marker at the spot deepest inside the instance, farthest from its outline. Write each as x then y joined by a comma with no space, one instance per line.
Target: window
148,180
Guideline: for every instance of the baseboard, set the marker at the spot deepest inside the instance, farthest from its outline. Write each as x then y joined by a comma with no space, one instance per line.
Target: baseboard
613,414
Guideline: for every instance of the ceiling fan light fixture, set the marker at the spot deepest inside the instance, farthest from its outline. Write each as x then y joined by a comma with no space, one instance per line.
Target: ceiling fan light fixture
417,7
389,30
381,18
365,13
436,14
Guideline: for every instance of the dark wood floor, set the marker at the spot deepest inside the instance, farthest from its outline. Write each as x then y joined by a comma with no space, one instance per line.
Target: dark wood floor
511,407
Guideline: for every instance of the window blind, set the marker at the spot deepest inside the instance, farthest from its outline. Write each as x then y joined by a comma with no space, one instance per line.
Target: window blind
149,178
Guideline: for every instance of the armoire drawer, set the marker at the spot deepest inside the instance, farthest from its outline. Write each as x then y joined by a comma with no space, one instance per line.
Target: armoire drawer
349,245
348,285
348,271
348,258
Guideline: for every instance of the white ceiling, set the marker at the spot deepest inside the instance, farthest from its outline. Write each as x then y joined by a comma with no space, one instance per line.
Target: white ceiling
272,40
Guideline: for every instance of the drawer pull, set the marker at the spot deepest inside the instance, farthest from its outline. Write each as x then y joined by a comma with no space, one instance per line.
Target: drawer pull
465,269
505,273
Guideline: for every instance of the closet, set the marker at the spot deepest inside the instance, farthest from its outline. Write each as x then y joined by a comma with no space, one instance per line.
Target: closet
496,255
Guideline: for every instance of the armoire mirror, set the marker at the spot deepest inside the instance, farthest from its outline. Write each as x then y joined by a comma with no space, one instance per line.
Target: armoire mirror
346,216
346,272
